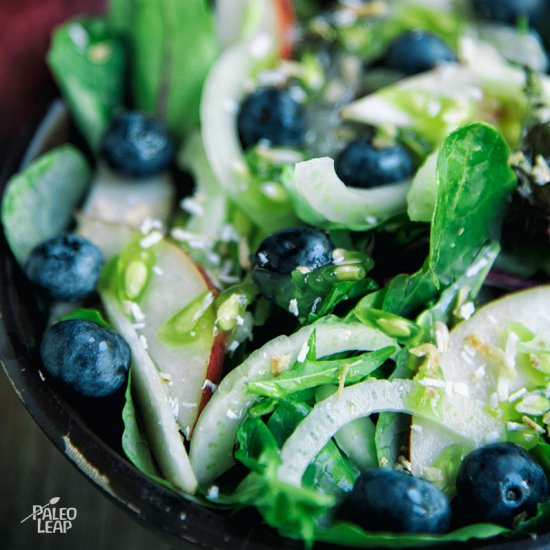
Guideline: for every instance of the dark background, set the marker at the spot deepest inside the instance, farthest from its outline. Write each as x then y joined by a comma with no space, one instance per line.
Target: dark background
32,470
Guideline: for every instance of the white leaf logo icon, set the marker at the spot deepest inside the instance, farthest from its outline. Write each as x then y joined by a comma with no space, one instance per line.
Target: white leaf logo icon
55,500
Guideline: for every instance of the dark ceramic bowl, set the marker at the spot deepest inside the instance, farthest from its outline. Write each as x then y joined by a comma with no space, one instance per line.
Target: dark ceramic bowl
90,442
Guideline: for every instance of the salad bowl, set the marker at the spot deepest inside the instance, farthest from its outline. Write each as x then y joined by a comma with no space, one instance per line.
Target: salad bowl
89,431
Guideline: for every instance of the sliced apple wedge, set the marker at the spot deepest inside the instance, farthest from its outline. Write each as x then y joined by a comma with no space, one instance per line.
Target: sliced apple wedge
109,237
129,201
480,365
190,365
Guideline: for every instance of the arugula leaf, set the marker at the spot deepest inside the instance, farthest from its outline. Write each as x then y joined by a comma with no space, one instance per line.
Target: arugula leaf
173,45
314,294
311,373
474,180
89,63
294,511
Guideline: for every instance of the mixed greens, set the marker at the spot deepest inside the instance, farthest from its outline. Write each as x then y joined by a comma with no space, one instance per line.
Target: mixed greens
311,287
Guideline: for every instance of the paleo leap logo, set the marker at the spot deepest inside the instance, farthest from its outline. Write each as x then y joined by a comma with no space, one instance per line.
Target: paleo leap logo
50,519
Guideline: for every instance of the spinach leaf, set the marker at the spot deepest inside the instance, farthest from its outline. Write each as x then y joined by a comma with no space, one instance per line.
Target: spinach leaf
314,294
173,44
89,63
474,181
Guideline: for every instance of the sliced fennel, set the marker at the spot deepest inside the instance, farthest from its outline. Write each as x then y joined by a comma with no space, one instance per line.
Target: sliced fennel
238,20
357,438
342,207
474,425
212,443
519,46
223,91
209,213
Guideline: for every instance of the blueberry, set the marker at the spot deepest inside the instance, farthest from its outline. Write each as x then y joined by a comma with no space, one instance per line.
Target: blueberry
273,115
510,11
137,145
497,482
284,251
361,164
65,268
91,359
417,51
394,501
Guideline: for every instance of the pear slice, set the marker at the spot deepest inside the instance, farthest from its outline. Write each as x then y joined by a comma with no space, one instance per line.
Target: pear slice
484,373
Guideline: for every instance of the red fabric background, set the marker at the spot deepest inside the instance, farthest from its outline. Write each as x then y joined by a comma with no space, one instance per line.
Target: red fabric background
24,76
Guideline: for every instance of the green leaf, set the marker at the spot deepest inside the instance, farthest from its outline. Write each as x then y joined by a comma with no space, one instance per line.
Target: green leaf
357,537
464,290
93,315
310,295
311,374
258,445
173,46
38,202
474,181
89,64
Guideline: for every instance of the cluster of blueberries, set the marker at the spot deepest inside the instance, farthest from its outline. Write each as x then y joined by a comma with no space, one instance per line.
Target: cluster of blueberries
499,483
